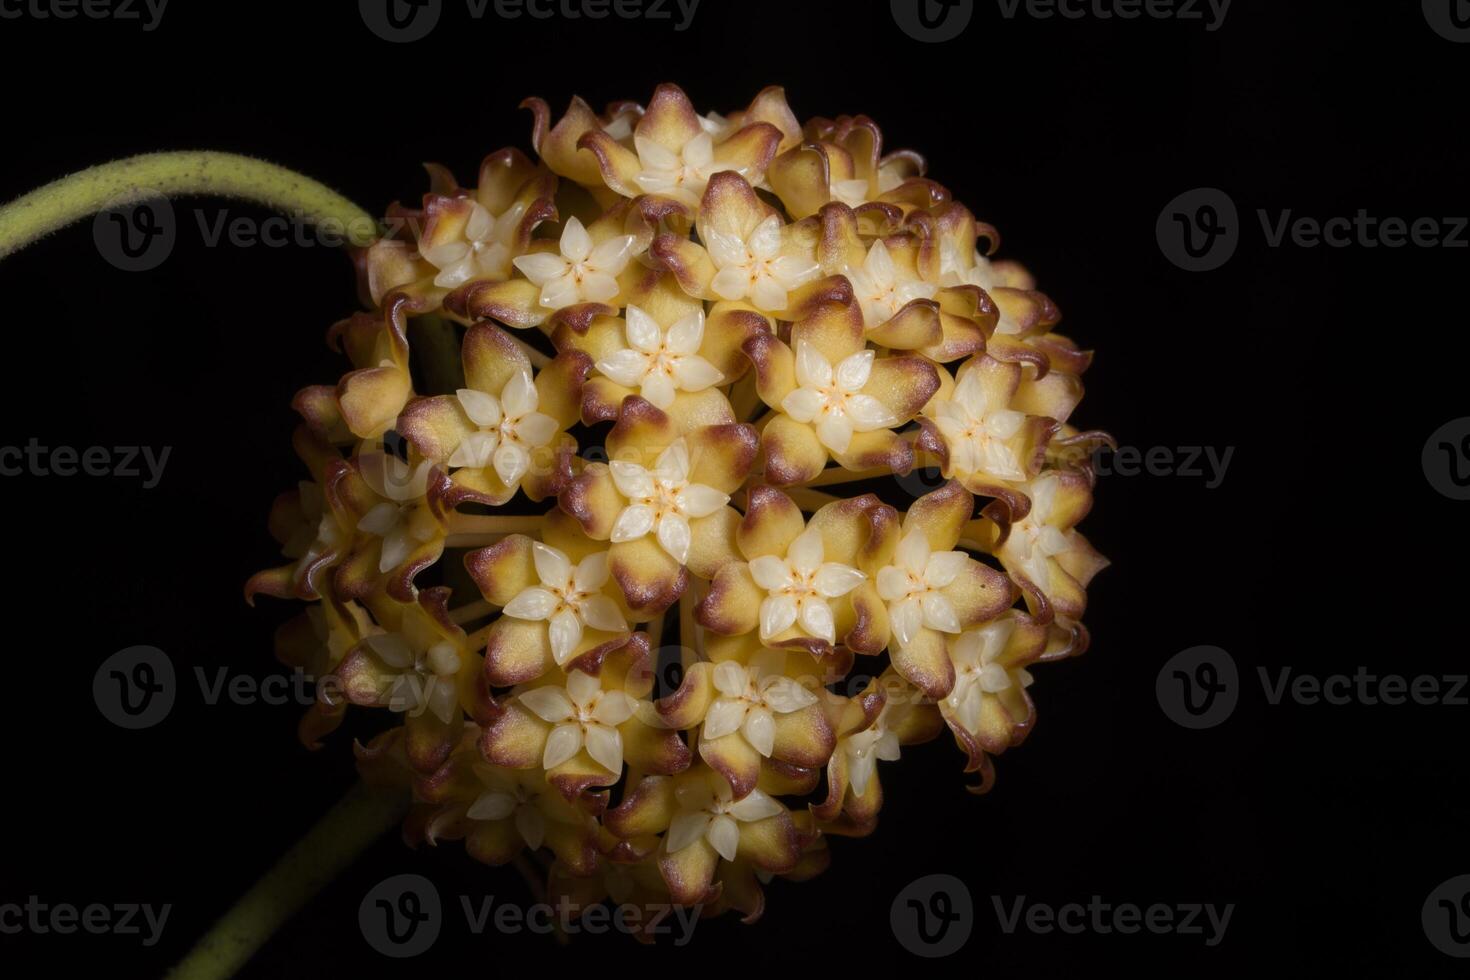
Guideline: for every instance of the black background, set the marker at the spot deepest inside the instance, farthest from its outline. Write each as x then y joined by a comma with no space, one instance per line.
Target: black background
1324,548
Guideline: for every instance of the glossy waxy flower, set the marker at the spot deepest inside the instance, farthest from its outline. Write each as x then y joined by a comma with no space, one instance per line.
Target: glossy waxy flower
584,715
503,431
913,587
657,362
400,519
751,697
617,398
707,815
831,398
581,271
835,397
748,252
569,598
800,585
662,501
883,288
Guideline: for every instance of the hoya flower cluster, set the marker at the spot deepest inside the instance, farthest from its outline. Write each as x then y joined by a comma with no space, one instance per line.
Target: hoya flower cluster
669,330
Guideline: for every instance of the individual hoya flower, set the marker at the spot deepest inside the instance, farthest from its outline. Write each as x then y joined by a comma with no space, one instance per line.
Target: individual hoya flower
658,362
751,264
369,397
830,397
883,288
482,247
675,150
504,430
510,795
800,587
417,664
751,697
402,520
718,456
796,587
876,724
313,532
662,501
834,396
464,239
990,709
610,688
912,587
1051,561
500,812
569,598
715,841
977,671
749,253
509,429
581,271
583,716
926,589
709,816
981,439
520,650
623,368
754,708
977,426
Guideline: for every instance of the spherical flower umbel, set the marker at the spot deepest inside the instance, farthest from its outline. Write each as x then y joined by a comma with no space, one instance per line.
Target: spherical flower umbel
707,345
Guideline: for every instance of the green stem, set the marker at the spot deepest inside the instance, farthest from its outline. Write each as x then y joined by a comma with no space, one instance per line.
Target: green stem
87,192
356,821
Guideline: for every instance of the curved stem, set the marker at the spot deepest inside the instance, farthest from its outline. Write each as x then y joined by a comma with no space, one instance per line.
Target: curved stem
89,191
356,821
